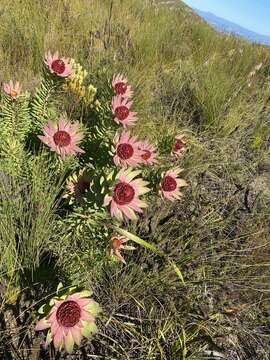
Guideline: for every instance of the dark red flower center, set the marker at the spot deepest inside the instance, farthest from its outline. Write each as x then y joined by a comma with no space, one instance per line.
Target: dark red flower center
125,151
82,186
146,155
121,112
123,193
62,138
120,88
58,66
68,314
178,145
169,183
13,93
117,243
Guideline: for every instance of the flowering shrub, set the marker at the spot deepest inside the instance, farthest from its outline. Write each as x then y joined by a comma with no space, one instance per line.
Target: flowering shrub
111,176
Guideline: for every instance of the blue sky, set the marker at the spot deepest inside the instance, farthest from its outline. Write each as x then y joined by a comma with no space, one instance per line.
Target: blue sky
251,14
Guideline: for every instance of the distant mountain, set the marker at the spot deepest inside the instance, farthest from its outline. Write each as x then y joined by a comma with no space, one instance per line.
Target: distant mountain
231,28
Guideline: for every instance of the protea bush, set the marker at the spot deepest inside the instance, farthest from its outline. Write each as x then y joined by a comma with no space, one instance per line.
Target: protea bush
108,175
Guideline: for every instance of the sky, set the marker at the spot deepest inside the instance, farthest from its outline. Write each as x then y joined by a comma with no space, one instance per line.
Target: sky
252,14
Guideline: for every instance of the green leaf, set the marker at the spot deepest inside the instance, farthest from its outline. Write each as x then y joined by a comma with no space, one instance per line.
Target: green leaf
86,293
44,309
110,175
88,328
152,247
138,240
49,337
52,301
94,308
178,272
59,287
101,180
71,289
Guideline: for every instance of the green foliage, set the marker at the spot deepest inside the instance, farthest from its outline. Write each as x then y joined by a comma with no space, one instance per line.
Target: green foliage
16,125
43,103
27,216
15,119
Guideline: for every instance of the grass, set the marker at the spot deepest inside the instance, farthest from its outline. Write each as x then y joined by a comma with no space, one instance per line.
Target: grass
191,78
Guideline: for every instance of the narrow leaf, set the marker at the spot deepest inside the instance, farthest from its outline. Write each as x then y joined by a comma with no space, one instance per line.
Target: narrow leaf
138,240
178,272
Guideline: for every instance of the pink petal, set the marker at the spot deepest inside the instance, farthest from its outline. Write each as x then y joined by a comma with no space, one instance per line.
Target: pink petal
120,257
58,338
54,327
49,130
49,57
75,297
135,207
52,316
116,160
107,200
118,214
83,302
17,86
78,137
62,124
128,212
113,208
69,342
78,149
86,316
42,325
77,335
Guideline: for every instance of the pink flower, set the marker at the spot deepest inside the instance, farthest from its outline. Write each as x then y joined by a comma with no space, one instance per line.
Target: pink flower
120,109
171,184
179,145
148,155
62,137
57,65
13,90
69,320
125,195
126,150
120,86
78,185
118,244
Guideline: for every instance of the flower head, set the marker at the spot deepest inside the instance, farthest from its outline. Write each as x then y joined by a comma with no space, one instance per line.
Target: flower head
118,244
171,184
179,145
62,137
78,184
121,111
69,320
120,86
58,65
124,199
126,150
12,89
148,153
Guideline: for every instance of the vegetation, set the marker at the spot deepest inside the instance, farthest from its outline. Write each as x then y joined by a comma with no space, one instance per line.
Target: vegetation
199,287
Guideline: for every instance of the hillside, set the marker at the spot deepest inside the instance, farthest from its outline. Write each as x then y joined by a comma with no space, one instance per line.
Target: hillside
197,284
232,28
